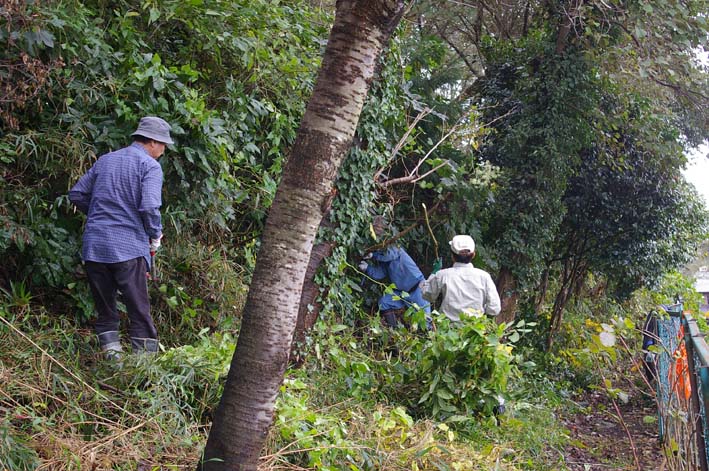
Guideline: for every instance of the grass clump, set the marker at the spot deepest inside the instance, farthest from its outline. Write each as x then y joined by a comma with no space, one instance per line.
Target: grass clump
16,454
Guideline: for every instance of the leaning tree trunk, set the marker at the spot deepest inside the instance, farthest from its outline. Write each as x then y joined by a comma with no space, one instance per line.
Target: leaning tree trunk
245,413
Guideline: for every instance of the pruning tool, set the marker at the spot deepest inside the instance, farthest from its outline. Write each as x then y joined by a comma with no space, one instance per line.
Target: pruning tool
439,262
154,274
430,231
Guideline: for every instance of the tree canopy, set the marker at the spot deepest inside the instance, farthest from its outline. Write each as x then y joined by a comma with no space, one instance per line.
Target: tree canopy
510,122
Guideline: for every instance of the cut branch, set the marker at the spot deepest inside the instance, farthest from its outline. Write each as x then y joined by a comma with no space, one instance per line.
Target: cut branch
425,112
413,175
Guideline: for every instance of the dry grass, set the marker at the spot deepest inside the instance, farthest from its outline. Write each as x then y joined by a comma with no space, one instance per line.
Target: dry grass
71,411
74,424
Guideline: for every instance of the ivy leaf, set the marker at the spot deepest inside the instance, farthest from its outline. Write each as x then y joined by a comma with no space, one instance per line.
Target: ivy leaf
607,339
154,15
46,38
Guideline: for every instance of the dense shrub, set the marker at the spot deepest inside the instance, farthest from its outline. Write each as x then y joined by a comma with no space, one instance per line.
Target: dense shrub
231,77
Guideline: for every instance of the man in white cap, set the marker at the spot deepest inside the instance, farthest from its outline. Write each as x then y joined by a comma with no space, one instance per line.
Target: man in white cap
463,288
121,197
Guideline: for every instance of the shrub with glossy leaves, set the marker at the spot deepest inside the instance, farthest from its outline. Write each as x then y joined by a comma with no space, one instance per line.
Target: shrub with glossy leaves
462,368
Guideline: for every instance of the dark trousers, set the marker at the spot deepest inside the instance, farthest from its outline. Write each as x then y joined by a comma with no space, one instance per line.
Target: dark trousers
129,277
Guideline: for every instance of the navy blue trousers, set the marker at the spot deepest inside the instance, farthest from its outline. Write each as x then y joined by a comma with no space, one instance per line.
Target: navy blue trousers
129,277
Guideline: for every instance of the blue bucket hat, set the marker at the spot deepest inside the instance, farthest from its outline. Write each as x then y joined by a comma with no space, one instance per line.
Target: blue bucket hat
154,128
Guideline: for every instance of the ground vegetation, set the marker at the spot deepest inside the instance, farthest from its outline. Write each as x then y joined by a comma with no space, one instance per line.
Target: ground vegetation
553,134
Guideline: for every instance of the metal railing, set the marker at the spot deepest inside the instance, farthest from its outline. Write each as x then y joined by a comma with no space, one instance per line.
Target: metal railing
681,364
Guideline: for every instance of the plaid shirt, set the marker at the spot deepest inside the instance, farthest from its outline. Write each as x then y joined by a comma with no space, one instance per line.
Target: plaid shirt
121,197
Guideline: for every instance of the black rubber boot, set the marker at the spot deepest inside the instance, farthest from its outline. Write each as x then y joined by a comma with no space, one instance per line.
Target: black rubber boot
144,345
111,346
390,319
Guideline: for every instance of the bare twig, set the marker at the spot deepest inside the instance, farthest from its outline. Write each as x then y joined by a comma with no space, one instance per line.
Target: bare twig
67,370
619,416
109,440
425,112
59,400
413,175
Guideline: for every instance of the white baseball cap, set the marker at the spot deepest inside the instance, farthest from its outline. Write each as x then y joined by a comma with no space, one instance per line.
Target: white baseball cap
462,244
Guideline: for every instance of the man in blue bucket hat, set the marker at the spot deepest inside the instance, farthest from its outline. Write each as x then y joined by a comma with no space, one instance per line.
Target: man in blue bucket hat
121,197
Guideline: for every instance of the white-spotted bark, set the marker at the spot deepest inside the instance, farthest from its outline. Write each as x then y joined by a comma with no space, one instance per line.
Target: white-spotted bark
361,30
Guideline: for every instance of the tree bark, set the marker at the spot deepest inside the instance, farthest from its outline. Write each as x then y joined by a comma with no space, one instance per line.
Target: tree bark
542,291
507,287
573,276
245,413
569,12
309,307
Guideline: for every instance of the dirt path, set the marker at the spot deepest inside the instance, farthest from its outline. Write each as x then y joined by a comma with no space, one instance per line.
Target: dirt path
601,443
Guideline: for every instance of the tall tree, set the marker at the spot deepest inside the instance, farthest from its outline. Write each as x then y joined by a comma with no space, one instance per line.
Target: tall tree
546,111
245,413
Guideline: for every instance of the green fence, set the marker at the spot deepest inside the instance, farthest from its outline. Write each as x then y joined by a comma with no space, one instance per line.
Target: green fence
678,361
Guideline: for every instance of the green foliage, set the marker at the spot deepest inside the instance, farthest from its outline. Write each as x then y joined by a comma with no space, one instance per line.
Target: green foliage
674,287
602,334
589,172
458,371
531,426
231,77
461,369
336,401
541,105
228,157
668,35
181,385
321,435
16,455
569,360
17,297
629,201
200,287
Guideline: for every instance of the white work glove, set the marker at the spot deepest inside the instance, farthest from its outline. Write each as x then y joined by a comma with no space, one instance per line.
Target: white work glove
362,266
155,245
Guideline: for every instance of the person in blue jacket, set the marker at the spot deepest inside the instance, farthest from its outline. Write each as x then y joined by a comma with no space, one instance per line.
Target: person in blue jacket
394,263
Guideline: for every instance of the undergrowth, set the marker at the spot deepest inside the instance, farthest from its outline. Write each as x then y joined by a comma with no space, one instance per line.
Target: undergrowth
365,398
65,408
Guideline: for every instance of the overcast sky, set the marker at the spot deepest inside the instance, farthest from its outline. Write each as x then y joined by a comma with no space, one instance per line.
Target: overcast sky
697,172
